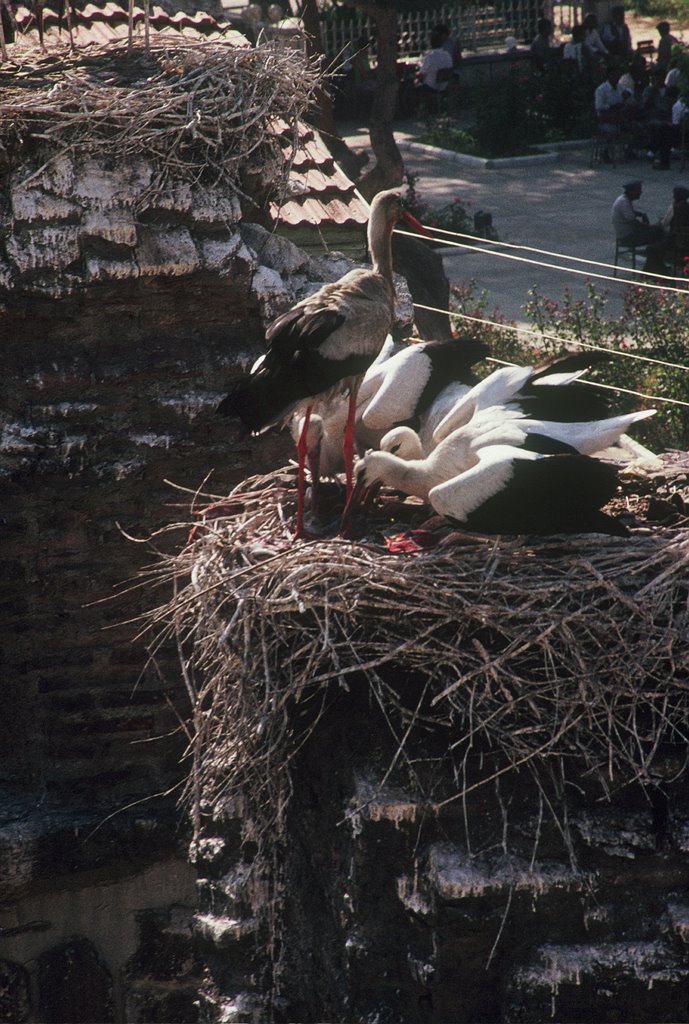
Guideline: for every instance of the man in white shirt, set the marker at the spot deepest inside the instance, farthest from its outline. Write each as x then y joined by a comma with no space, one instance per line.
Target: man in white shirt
631,227
608,101
608,98
436,60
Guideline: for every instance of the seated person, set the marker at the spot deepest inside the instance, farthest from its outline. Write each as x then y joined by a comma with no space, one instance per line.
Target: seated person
450,43
680,110
631,227
655,103
436,62
616,35
676,221
592,40
614,110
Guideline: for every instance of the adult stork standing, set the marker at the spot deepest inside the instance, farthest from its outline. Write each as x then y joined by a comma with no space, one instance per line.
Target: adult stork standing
322,347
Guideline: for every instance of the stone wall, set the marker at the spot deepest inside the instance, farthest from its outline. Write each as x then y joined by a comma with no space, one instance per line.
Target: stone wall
122,319
520,904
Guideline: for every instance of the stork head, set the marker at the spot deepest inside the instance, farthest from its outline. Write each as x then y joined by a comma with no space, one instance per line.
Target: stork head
389,207
402,442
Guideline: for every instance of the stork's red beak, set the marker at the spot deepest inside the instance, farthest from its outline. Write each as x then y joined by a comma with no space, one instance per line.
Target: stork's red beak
415,225
361,497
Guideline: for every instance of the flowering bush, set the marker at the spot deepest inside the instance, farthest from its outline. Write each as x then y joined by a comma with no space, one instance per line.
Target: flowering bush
453,216
653,323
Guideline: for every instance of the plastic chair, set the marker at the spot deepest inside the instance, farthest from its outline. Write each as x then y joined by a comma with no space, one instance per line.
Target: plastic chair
627,250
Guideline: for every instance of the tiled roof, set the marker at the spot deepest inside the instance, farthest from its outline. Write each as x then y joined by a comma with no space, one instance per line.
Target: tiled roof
107,23
319,193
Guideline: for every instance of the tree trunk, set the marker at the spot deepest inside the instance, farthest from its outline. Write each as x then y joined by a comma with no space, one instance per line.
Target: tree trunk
389,168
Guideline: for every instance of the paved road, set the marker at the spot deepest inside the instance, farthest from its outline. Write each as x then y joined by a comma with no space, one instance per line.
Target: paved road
563,206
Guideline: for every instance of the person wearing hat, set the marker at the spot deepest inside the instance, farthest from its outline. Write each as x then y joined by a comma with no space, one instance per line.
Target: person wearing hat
631,227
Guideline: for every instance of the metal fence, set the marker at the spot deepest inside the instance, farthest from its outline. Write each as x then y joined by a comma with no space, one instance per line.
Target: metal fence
477,26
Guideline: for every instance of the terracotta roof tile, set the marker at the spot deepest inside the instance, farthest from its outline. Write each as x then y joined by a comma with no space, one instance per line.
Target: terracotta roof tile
108,22
321,193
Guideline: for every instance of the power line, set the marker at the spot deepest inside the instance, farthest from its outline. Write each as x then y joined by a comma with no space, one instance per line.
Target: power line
554,266
548,252
552,337
595,348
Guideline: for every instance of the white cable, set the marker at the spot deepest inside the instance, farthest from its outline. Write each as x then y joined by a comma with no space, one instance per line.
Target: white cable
564,270
553,337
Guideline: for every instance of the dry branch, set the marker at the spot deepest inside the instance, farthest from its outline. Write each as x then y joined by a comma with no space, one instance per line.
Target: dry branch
197,111
542,651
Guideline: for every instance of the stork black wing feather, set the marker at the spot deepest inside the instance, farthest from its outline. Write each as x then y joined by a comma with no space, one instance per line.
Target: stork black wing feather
571,403
571,362
561,494
450,361
301,327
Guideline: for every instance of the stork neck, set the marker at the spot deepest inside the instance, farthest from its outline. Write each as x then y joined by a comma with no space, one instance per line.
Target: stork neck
410,476
380,248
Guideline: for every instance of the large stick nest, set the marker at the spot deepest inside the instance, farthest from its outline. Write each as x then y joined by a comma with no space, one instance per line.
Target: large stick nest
535,649
196,111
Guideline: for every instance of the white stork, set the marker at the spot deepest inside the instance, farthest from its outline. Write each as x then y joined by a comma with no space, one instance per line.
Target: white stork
322,347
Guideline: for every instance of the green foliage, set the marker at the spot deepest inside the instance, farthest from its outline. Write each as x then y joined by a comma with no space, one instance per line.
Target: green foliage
443,134
453,216
529,106
653,324
665,10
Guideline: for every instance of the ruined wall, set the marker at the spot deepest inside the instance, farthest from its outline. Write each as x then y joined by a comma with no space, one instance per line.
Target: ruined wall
518,904
122,319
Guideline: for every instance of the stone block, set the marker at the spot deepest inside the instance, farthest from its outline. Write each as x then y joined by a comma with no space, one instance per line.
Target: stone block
49,248
99,186
57,178
276,252
116,226
219,255
166,252
214,210
30,205
270,290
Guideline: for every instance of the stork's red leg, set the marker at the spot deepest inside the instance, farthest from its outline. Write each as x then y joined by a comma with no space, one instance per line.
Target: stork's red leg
301,465
348,444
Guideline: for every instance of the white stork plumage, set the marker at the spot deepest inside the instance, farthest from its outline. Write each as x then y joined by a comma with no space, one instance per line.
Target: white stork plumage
506,490
494,490
499,425
400,386
552,391
322,347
